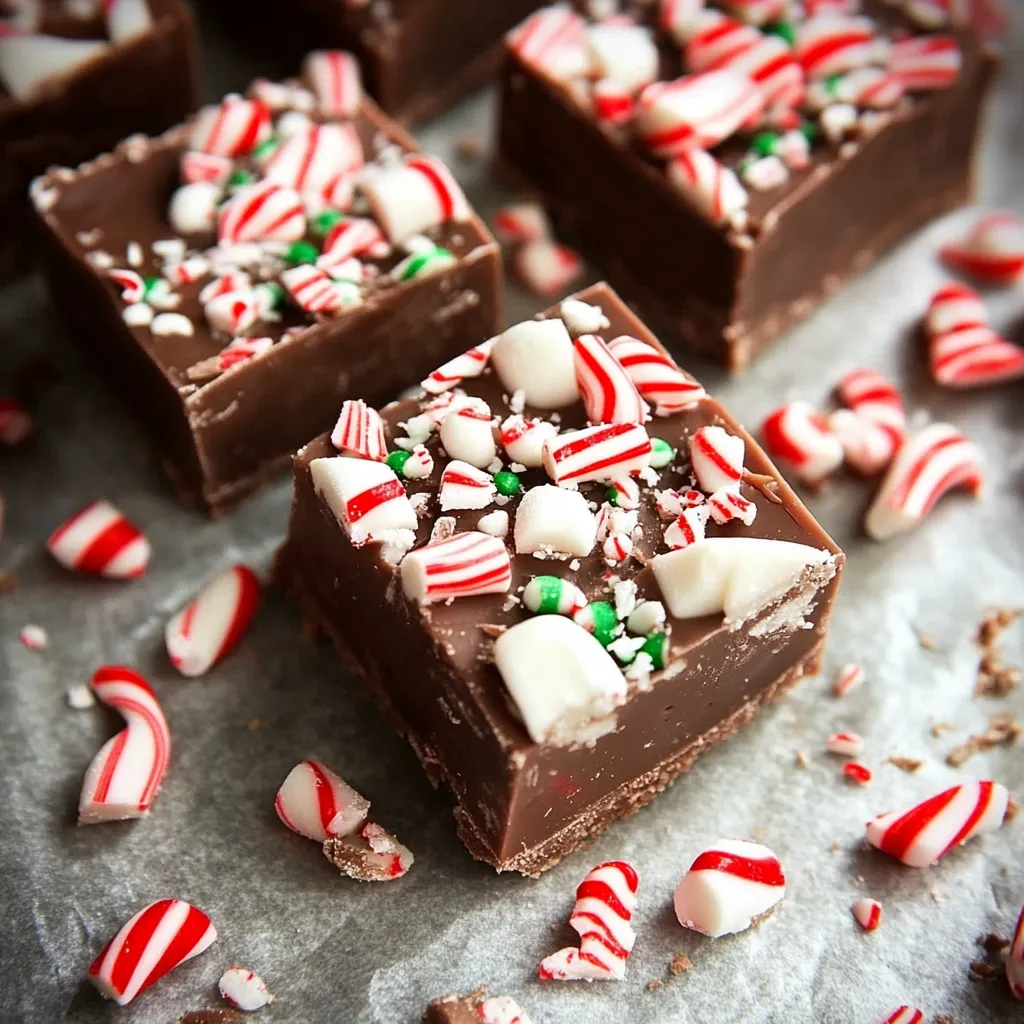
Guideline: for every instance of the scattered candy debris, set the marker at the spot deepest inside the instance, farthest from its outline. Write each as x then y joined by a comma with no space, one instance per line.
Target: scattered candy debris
34,637
849,678
992,251
318,804
857,772
903,1015
803,439
100,540
846,744
868,913
243,989
80,697
1003,730
371,855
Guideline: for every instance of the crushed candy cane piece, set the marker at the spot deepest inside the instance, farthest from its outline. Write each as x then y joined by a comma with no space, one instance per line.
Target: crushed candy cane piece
196,166
833,44
100,540
868,447
846,744
523,440
465,487
370,855
314,292
360,431
904,1015
232,312
717,459
601,453
850,677
193,208
857,772
521,222
33,637
552,40
727,505
318,804
502,1010
244,990
414,196
613,101
992,250
467,435
867,912
333,76
470,364
925,63
713,188
231,128
802,438
262,212
546,267
80,697
952,307
462,566
549,595
494,523
972,357
609,394
656,376
617,548
688,527
552,519
582,317
350,237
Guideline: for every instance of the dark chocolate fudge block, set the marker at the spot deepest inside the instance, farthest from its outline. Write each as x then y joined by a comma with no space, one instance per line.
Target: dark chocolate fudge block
74,82
730,176
559,617
311,254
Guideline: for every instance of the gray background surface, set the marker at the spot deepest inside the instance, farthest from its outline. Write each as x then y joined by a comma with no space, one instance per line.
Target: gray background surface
336,951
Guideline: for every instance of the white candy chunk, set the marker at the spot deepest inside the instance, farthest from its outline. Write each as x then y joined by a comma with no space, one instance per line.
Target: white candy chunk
367,498
193,208
494,523
536,357
648,617
467,436
409,198
554,519
626,54
582,318
523,440
564,683
127,18
243,989
737,576
28,61
717,458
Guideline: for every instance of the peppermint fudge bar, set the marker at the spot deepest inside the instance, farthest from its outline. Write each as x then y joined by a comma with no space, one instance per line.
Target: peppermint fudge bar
75,79
239,276
562,570
730,174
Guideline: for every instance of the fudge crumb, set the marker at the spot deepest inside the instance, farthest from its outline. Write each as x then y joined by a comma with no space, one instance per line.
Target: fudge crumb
491,629
1003,730
468,148
905,764
655,983
943,1019
801,759
8,582
310,630
993,624
254,724
218,1016
982,971
992,944
924,640
938,728
995,679
680,965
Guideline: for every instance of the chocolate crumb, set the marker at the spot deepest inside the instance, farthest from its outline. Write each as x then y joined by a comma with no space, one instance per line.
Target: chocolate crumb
222,1015
905,764
943,1019
993,624
680,965
492,629
938,728
655,983
1012,808
994,678
925,641
1003,730
254,724
468,148
8,582
801,759
992,943
981,971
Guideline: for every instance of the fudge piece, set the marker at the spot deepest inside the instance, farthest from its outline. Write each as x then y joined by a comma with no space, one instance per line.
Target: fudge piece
559,617
74,81
311,254
729,176
474,1009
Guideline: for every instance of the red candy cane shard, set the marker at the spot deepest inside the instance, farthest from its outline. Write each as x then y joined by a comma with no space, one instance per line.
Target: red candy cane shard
312,290
552,40
521,222
799,436
857,772
713,40
867,913
231,128
333,76
349,237
123,778
465,487
546,267
601,453
264,212
609,395
846,744
726,505
1015,960
213,621
688,528
974,357
992,251
870,395
100,540
848,679
462,566
204,167
16,424
318,804
656,377
922,834
717,459
315,156
470,364
832,44
952,307
605,903
925,63
360,431
904,1015
155,941
713,188
932,462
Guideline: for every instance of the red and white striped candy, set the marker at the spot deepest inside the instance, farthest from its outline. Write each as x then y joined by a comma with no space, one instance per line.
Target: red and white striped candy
188,271
521,222
688,527
992,251
241,350
671,503
462,566
333,76
315,156
350,237
123,778
867,912
204,167
264,212
952,307
600,453
713,39
713,188
925,63
904,1015
832,44
523,439
360,431
230,281
929,464
848,679
502,1010
757,12
974,357
613,102
627,492
155,941
233,312
419,465
727,505
656,376
213,621
727,886
877,401
100,540
338,193
871,87
867,447
857,772
696,112
546,267
233,127
467,435
366,496
16,424
552,41
772,68
609,394
846,744
1015,960
605,904
617,547
922,834
470,364
717,459
802,437
465,487
312,290
133,288
318,804
678,17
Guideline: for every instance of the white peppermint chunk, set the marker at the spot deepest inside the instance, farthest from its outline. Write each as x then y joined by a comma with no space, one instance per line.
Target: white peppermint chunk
467,435
536,357
554,519
625,54
582,318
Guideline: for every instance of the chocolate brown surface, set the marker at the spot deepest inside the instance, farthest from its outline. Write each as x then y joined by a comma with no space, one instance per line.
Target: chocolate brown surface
720,290
221,438
453,1009
143,84
522,805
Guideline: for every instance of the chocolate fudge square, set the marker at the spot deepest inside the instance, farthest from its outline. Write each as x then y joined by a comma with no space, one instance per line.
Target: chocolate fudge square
572,575
74,82
730,176
239,276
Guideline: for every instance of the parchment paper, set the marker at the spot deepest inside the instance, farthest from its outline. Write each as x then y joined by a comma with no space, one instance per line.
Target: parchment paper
337,951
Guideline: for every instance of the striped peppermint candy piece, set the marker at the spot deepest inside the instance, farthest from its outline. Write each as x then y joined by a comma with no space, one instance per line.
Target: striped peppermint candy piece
925,63
188,271
123,778
333,77
867,912
242,350
462,566
133,288
521,222
231,128
313,291
771,66
155,941
868,447
613,102
849,678
757,12
360,431
656,376
713,40
679,18
617,547
727,886
243,989
832,44
502,1010
727,505
717,459
1015,960
204,167
871,87
230,281
601,453
471,363
605,904
16,424
315,156
992,251
954,306
350,237
465,487
845,744
801,437
974,357
904,1015
671,503
233,312
874,398
546,267
627,491
929,463
553,41
210,625
688,528
467,435
921,835
697,111
523,440
713,188
622,52
318,804
264,212
100,540
609,394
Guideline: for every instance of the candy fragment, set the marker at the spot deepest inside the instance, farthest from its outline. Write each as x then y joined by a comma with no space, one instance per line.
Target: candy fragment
467,435
922,834
605,904
849,678
360,431
713,39
315,156
465,487
657,378
869,441
972,357
717,458
213,621
333,75
992,251
231,128
409,198
318,804
369,855
462,566
314,292
688,528
1015,960
100,540
546,267
726,505
600,453
925,63
232,312
857,772
554,520
622,53
801,437
728,886
609,395
16,424
243,989
502,1010
521,222
832,44
33,637
536,357
904,1015
523,440
155,941
471,363
549,595
351,236
868,913
264,212
713,188
552,41
867,447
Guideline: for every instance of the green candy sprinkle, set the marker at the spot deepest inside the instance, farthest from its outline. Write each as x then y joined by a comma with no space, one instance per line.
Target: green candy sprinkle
397,460
422,264
155,288
600,619
765,143
301,252
323,223
507,483
612,495
549,595
656,648
264,149
240,178
810,131
784,30
832,83
270,296
662,453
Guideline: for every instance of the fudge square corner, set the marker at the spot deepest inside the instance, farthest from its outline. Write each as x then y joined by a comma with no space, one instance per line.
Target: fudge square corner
239,276
562,570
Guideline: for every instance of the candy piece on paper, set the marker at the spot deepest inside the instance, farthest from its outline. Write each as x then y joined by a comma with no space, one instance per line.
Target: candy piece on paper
846,744
552,519
867,912
798,435
462,566
34,638
502,1010
992,250
369,855
521,222
546,267
318,804
974,357
244,990
536,357
27,61
903,1015
717,458
867,447
101,541
954,306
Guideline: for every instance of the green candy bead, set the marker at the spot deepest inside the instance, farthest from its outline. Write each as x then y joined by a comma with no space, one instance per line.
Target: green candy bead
810,131
598,618
549,595
397,460
323,223
271,296
301,252
507,483
239,178
264,149
765,143
656,648
784,30
612,495
662,453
